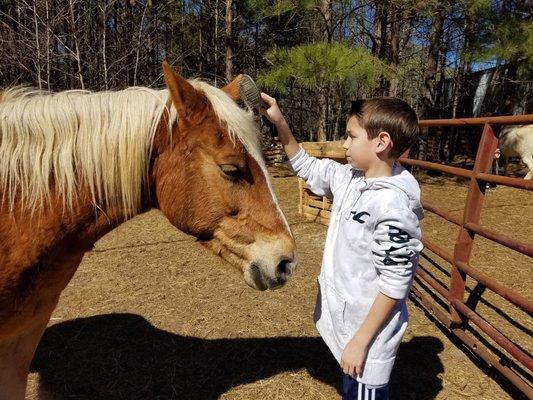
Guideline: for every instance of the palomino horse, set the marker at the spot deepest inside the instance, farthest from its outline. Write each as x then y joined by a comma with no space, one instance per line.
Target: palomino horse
74,165
516,141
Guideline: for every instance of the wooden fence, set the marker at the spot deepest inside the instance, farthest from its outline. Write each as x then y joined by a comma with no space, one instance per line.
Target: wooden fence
272,150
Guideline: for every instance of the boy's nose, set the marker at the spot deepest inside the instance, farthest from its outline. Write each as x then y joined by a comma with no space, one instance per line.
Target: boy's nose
345,145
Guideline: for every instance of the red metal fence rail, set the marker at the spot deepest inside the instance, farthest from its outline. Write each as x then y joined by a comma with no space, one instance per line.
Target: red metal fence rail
459,314
513,362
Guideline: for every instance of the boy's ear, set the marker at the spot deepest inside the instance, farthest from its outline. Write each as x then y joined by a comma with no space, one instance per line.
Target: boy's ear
384,142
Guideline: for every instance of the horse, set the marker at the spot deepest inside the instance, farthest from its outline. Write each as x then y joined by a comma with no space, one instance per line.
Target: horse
76,164
516,141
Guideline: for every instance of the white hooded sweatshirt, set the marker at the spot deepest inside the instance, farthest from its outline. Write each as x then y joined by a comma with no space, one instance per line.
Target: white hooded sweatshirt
372,246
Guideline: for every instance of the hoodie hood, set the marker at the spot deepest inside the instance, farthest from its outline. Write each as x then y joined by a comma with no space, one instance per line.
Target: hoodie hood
403,182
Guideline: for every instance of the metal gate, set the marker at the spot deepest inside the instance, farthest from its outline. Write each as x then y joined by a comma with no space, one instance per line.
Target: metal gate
459,314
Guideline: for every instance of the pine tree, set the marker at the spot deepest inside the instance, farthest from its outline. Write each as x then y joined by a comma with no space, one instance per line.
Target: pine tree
319,66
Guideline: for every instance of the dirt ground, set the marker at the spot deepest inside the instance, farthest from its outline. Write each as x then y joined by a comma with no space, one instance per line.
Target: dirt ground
151,314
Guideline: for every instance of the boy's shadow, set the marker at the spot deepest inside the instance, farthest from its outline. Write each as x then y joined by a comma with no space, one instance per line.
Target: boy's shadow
123,356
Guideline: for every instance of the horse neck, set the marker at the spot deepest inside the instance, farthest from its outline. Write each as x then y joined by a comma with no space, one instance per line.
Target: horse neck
52,222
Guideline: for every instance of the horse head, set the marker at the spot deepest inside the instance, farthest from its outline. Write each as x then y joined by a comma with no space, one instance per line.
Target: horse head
209,179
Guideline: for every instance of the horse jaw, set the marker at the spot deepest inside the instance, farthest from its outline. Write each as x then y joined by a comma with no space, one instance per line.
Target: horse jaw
265,263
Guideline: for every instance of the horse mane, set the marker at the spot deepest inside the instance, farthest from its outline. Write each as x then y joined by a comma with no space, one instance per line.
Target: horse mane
99,139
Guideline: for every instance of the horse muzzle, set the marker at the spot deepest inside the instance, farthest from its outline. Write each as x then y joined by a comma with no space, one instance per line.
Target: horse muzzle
262,276
266,263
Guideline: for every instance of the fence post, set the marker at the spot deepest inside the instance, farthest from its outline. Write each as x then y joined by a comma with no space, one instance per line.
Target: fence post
471,214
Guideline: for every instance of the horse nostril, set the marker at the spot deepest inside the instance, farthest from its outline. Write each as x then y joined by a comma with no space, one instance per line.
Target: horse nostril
283,270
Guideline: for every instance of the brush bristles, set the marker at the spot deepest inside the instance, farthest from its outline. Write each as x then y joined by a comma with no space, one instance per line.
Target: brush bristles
250,93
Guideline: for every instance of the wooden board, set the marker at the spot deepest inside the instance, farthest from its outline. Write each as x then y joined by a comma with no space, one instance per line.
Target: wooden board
332,150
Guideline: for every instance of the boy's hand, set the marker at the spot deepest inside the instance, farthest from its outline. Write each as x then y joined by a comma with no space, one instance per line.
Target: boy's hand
274,115
354,356
273,112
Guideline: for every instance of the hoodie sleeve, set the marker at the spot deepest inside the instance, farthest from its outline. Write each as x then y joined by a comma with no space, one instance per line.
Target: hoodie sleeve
322,175
395,248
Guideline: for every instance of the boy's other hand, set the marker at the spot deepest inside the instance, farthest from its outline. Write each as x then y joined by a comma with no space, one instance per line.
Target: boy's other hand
354,356
273,112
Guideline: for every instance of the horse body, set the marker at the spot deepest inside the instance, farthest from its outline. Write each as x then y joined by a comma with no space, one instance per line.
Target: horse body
198,163
37,262
36,265
517,141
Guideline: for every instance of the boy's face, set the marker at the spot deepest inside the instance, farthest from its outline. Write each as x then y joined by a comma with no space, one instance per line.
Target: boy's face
360,151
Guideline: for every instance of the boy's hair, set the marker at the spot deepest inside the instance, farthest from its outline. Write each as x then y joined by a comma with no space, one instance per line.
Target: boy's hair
388,114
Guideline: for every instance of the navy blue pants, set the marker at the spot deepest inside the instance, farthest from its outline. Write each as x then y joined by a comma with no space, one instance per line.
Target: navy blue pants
353,390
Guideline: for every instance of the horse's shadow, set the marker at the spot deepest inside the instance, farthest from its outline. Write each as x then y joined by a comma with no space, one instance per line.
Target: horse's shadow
123,356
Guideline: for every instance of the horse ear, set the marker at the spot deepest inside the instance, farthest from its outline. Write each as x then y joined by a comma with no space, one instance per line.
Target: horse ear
182,93
232,89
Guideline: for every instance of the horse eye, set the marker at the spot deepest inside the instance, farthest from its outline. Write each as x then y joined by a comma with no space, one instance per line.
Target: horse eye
231,170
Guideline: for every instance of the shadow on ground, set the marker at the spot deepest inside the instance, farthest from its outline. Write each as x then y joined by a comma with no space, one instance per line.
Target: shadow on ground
122,356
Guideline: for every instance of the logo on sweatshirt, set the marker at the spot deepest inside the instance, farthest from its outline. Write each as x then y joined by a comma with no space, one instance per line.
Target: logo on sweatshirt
392,257
358,216
398,235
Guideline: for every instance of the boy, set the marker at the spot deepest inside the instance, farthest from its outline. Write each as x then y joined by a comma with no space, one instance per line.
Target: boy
373,239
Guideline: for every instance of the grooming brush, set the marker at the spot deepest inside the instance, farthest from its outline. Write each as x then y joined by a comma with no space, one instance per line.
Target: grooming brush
251,96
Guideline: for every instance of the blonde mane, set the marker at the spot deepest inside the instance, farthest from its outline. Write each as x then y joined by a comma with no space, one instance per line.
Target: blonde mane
102,140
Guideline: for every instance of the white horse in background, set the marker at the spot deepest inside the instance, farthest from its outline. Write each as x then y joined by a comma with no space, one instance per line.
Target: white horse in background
516,141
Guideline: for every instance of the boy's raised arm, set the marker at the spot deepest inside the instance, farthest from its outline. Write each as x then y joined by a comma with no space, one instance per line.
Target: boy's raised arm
322,175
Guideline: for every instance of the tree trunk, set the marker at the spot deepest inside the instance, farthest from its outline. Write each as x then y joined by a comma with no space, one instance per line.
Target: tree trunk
37,48
458,93
394,55
104,49
428,97
379,37
76,43
48,67
324,88
322,115
440,108
229,40
379,43
216,42
137,53
325,11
